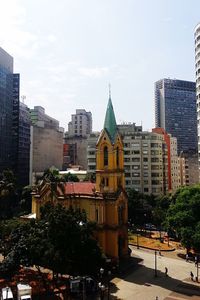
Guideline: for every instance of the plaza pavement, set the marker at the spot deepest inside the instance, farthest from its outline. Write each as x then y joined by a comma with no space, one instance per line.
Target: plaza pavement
141,284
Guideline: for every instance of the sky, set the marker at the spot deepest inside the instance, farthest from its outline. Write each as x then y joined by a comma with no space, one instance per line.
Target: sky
68,51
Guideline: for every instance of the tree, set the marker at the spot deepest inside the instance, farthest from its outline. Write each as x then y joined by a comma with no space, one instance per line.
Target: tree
26,199
70,177
71,235
139,207
8,194
61,241
183,216
159,211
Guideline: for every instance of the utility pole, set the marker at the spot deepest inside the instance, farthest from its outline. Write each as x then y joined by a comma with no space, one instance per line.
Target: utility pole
156,264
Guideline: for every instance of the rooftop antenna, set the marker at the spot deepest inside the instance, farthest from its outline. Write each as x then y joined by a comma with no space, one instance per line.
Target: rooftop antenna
23,97
109,85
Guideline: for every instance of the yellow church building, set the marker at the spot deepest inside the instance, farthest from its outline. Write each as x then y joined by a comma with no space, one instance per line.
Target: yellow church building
105,201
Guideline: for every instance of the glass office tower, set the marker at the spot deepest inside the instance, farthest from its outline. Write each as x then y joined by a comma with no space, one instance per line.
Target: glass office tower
6,109
175,111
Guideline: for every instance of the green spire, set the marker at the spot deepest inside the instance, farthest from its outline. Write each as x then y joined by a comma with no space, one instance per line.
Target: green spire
110,122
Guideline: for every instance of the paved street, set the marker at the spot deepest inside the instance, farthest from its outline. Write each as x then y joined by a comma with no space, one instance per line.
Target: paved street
141,284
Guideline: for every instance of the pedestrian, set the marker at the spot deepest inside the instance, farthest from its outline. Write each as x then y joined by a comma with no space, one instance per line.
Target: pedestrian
160,252
156,297
166,271
186,257
192,276
195,260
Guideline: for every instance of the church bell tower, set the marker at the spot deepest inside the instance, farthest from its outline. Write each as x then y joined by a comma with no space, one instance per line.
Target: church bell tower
109,155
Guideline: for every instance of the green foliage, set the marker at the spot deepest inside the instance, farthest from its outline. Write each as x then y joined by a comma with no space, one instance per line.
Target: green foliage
61,241
159,211
70,177
139,207
147,208
52,175
8,195
26,199
184,216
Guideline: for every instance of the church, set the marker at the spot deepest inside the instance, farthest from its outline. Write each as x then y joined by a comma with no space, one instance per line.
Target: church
105,201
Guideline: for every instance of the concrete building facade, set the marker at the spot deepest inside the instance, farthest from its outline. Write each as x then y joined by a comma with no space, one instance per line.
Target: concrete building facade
191,171
79,128
47,142
80,124
172,159
197,69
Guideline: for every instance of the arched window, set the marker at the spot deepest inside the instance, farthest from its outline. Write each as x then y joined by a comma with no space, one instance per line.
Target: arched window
117,156
105,153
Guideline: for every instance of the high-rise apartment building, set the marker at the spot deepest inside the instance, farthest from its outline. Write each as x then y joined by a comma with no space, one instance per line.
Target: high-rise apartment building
172,157
175,168
175,111
197,68
145,159
145,162
191,171
80,124
6,109
75,140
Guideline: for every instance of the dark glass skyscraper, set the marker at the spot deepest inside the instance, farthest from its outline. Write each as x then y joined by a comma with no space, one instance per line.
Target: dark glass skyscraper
14,123
23,166
6,109
175,111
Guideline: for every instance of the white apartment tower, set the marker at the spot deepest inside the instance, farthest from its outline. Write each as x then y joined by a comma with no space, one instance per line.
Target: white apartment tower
80,124
197,68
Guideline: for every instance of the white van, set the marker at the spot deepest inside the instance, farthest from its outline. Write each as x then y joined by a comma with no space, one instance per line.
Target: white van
6,293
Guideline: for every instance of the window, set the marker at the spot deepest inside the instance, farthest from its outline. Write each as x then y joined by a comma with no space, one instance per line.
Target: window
97,215
136,182
136,159
136,151
105,151
104,181
119,183
117,157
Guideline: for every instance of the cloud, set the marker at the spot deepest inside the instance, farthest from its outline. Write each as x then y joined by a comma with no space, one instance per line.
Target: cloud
94,72
51,38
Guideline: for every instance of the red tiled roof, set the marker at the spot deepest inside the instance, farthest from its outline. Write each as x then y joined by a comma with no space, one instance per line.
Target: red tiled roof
83,188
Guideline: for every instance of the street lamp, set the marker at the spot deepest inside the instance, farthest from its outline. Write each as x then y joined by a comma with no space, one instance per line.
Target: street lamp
102,290
101,273
109,275
156,264
197,265
83,290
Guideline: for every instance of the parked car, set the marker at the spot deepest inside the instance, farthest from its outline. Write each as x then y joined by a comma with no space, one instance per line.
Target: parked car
6,293
150,226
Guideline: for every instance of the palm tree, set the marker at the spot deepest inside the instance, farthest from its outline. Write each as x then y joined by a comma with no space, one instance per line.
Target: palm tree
8,194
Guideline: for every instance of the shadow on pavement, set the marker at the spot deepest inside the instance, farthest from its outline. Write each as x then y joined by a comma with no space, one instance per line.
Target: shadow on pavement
146,276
